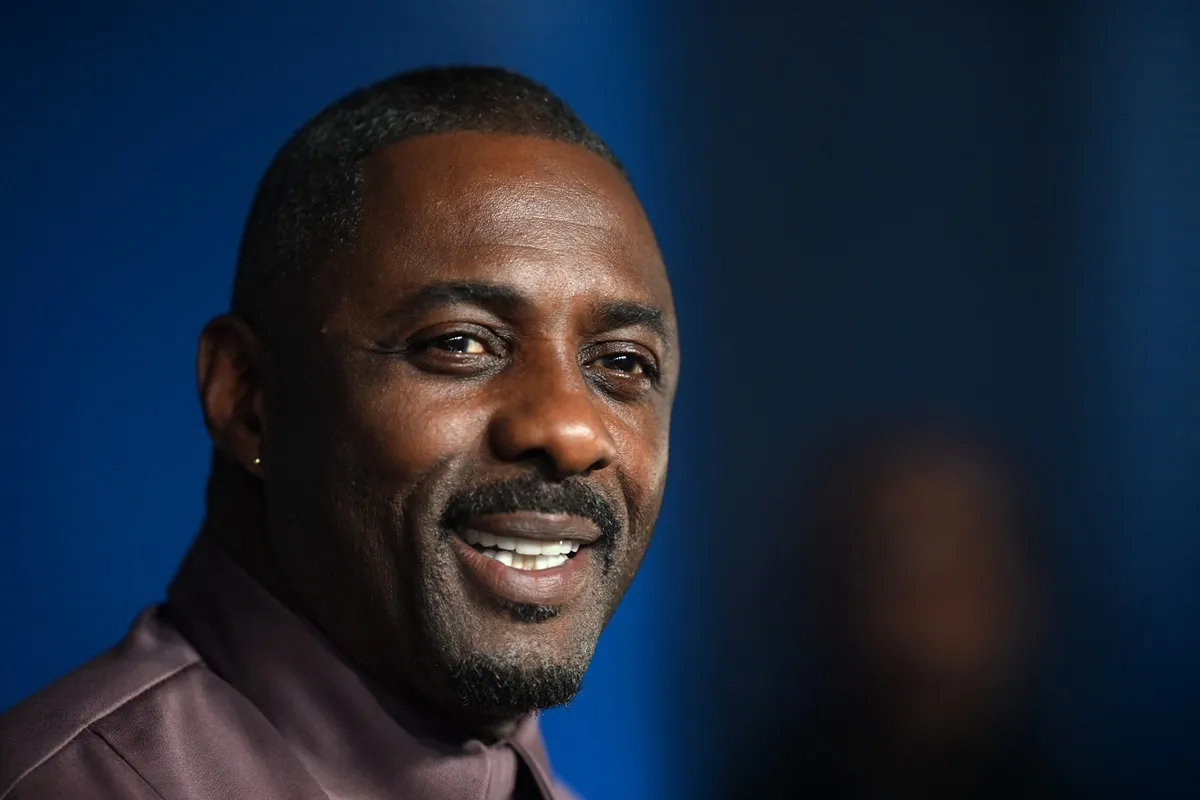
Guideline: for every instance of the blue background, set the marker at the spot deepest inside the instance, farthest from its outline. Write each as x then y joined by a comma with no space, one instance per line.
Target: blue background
990,208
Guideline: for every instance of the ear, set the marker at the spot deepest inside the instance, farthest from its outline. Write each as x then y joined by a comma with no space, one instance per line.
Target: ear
229,375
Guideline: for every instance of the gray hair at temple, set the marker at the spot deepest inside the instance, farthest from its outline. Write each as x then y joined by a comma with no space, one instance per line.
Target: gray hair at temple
308,205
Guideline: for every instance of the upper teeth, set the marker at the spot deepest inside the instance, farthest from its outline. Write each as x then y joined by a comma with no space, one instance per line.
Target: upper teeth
525,547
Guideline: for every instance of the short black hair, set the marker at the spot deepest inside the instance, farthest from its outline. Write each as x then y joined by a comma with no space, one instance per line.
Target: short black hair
308,205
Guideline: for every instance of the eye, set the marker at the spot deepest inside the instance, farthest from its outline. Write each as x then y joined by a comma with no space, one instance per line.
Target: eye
629,363
460,350
624,371
458,343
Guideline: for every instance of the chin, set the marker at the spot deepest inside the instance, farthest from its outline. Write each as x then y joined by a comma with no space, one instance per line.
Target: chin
495,687
495,658
517,665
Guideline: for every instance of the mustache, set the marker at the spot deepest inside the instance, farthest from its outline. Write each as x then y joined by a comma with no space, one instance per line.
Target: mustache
531,492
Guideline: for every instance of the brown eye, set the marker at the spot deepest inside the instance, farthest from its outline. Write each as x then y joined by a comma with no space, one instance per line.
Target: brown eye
459,343
628,363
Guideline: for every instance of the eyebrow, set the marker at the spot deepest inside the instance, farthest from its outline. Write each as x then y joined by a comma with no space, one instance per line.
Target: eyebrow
505,301
625,314
500,299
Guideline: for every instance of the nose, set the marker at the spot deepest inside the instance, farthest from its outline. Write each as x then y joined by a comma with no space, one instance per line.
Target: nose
552,419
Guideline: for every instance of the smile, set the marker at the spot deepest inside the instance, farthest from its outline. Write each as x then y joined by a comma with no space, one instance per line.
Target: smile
521,553
528,557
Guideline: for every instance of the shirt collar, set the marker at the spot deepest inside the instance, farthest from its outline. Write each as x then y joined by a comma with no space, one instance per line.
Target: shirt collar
334,719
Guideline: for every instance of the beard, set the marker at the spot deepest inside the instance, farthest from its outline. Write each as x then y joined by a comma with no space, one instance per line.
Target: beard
507,682
476,660
514,680
495,687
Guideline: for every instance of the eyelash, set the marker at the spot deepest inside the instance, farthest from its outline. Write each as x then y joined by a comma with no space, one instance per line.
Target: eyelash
650,370
433,343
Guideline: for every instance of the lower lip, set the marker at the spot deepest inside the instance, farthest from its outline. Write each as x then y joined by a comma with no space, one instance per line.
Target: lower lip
556,586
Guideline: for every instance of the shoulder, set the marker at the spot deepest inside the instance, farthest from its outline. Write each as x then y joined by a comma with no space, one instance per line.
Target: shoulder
51,737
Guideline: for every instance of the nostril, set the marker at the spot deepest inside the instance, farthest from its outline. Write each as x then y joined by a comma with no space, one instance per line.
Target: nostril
562,431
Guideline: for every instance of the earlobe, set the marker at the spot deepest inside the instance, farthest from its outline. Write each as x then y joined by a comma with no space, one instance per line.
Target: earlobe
229,374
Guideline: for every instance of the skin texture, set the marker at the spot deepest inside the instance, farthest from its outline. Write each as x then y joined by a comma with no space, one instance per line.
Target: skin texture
502,315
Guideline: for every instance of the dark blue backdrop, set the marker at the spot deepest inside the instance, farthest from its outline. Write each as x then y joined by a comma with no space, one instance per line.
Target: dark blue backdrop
989,208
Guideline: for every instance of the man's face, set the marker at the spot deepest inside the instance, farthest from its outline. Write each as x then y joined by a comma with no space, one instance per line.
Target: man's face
466,449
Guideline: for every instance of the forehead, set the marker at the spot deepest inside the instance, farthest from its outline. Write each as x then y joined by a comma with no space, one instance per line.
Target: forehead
470,206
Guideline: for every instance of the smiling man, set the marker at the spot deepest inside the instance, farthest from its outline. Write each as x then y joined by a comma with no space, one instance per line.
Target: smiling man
440,408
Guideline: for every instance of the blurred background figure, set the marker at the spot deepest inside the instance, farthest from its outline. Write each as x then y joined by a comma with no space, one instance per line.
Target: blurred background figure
927,607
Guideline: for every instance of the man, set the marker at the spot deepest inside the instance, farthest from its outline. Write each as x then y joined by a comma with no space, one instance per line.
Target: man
927,617
439,410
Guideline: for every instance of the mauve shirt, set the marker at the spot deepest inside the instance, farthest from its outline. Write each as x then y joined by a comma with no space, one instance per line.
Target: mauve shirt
224,693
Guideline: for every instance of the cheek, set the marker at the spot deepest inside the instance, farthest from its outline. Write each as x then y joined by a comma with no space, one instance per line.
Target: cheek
396,428
642,445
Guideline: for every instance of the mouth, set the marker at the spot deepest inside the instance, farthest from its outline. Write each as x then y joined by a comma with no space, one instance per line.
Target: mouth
527,557
519,552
